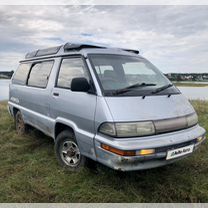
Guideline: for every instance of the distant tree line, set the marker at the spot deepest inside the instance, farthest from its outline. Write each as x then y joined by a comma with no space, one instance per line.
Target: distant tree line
171,76
188,76
6,74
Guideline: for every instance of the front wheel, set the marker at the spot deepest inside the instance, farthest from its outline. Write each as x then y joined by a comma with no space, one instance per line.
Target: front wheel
68,152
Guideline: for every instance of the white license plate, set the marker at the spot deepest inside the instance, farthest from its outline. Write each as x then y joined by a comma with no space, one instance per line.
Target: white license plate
171,154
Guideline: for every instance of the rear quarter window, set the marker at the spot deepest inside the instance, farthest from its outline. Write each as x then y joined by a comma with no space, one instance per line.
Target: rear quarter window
39,74
20,76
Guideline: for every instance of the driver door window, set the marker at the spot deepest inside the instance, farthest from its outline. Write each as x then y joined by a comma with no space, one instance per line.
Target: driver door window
71,68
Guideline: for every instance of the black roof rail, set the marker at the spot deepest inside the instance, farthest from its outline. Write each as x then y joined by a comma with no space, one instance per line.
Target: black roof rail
43,52
79,46
131,50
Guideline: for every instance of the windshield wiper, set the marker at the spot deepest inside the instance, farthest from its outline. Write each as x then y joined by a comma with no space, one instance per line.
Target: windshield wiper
162,88
126,89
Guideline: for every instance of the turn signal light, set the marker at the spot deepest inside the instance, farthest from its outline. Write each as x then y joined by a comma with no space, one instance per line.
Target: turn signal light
142,152
117,151
201,138
146,152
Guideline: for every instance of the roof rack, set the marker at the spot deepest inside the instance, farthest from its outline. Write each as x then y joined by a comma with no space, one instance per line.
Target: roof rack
79,46
68,47
43,52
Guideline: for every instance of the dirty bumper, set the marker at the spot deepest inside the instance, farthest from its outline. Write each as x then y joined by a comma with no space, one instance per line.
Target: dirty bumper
161,143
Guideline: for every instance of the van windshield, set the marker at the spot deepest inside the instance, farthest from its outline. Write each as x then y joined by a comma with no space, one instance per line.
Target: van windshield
129,75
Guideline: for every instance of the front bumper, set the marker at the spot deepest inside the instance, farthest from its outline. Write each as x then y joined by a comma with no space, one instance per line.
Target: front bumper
161,143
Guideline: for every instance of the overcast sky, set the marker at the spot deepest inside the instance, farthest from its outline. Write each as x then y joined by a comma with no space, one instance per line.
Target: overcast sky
174,38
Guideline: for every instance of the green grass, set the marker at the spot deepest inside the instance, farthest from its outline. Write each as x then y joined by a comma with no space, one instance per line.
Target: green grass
188,84
29,173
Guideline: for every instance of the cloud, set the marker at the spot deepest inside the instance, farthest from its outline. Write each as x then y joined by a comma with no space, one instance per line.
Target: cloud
174,38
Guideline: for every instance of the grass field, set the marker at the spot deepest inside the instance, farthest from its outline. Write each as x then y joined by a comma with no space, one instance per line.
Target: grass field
29,173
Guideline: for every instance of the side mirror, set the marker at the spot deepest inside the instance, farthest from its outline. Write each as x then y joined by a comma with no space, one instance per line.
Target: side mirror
80,84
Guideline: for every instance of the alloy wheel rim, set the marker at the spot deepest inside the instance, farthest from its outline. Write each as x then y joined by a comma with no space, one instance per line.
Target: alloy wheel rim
70,153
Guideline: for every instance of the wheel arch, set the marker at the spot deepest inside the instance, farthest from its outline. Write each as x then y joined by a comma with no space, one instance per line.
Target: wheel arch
59,127
14,111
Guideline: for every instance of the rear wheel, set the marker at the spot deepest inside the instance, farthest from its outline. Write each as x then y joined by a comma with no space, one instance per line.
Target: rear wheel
21,127
68,152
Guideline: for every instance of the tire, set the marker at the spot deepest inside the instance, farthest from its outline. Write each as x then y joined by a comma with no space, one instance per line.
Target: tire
68,152
20,126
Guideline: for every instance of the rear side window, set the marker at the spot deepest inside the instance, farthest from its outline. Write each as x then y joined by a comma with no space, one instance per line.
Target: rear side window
71,68
39,74
21,74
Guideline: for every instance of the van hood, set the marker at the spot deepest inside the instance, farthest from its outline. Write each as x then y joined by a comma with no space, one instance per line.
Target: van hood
150,108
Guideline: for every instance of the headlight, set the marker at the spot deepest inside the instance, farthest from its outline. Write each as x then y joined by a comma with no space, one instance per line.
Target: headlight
192,119
128,129
108,129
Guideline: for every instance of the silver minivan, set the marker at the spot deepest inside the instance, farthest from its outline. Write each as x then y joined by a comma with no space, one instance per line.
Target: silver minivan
107,104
